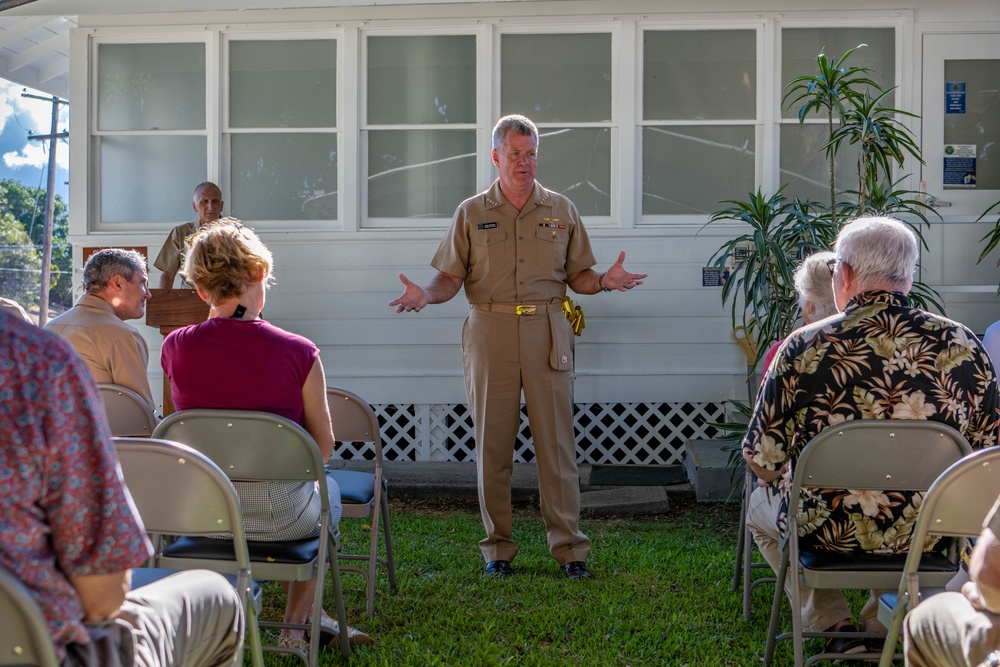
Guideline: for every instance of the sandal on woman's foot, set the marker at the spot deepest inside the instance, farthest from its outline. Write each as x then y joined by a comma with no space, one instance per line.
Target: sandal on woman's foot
329,635
287,641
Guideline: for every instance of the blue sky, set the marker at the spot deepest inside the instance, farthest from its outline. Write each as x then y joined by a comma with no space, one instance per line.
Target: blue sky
24,160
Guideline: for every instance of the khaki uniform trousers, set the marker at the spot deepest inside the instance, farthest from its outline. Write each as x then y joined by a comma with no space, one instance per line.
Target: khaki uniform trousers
821,607
504,353
946,630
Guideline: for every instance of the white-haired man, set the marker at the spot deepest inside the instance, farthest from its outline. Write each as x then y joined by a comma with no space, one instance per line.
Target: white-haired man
879,358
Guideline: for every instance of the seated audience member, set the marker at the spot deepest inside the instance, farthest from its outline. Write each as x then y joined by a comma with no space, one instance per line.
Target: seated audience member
69,531
814,285
961,629
236,360
208,204
14,308
879,358
116,290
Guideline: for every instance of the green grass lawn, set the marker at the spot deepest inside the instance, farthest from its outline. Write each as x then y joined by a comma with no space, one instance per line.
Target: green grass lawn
662,595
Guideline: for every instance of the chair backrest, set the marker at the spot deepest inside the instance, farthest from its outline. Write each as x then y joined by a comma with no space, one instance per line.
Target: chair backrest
353,419
897,454
960,498
24,636
247,445
178,490
128,413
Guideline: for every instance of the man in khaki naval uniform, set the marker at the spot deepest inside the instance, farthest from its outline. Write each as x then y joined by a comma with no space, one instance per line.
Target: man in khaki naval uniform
516,247
208,205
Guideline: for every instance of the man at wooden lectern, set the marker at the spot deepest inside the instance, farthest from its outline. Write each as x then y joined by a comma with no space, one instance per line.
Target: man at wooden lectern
208,205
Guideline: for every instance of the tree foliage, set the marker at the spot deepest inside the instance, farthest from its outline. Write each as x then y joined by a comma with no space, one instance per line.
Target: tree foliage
19,263
26,206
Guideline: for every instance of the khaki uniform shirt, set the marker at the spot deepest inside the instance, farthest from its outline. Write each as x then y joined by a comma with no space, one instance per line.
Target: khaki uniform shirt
15,309
114,350
512,257
172,253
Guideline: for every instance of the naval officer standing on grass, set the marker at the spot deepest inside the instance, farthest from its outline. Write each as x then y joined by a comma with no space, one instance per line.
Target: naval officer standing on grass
516,247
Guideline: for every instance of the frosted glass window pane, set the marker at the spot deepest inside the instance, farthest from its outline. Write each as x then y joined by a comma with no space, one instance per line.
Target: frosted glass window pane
577,163
980,124
699,74
422,80
805,167
556,78
289,176
151,87
283,83
801,46
420,173
150,179
689,170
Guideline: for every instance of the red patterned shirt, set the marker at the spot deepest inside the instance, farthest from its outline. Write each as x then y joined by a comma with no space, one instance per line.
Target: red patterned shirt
64,510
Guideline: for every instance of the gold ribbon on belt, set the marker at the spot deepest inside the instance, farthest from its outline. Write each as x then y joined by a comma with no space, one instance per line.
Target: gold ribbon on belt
574,314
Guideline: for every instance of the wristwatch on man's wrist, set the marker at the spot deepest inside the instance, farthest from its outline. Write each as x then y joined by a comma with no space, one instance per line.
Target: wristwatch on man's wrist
600,283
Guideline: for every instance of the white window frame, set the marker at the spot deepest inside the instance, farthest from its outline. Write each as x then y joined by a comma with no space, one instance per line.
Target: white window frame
465,28
614,29
758,123
95,169
225,132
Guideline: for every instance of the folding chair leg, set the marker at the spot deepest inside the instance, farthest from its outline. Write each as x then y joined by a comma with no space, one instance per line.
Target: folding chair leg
738,568
389,562
889,650
253,632
338,599
772,625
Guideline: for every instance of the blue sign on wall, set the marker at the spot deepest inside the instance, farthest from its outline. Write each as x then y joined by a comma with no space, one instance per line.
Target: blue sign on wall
954,97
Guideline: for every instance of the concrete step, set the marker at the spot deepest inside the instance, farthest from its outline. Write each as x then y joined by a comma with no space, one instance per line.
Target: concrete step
435,479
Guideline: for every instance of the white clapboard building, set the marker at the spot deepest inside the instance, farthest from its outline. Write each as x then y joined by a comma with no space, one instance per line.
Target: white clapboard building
345,132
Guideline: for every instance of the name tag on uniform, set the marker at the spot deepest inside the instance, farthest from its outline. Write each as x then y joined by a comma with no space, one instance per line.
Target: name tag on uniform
487,225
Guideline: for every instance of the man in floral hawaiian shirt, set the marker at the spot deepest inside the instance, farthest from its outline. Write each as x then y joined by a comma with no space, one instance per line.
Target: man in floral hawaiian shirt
879,358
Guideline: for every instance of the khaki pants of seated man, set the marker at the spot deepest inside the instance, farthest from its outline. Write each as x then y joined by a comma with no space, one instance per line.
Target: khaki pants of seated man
189,619
946,630
821,607
504,353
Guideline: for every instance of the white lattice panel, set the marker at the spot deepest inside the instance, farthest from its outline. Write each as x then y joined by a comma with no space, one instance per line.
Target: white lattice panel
630,433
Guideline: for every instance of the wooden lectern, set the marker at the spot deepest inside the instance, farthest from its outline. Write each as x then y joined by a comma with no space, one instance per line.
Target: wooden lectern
171,309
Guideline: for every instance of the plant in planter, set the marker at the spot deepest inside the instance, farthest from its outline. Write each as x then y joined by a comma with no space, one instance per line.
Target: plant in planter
782,233
828,89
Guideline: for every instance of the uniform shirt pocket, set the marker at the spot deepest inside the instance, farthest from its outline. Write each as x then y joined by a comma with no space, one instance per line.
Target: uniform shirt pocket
488,251
552,244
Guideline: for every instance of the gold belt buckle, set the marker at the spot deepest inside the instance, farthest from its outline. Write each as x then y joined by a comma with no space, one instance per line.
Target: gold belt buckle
524,310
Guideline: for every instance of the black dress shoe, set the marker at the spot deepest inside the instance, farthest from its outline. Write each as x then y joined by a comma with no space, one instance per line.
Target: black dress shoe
498,569
577,570
845,645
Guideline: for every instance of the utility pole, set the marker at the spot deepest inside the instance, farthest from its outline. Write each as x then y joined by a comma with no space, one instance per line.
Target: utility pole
53,136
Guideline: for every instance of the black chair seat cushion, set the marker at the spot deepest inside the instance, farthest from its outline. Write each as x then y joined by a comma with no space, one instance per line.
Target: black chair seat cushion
830,561
290,552
355,487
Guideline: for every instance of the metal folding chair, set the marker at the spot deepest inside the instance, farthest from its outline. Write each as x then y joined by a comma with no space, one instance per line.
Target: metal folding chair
24,638
128,413
362,494
902,455
251,446
179,491
955,506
